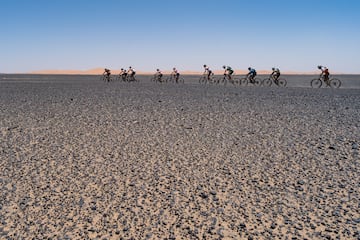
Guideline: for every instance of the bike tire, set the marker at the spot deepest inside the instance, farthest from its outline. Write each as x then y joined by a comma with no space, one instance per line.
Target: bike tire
257,82
222,80
335,83
267,82
236,81
152,79
316,83
202,80
282,82
244,81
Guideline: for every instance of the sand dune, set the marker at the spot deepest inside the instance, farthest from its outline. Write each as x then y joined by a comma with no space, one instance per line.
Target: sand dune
97,71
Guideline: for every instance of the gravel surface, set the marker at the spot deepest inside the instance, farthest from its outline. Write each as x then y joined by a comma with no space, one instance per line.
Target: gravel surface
84,159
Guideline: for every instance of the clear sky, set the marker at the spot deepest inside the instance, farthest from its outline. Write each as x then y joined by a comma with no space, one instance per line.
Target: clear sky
294,35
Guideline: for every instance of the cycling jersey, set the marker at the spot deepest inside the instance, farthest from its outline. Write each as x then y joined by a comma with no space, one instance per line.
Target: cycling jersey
252,71
229,70
207,69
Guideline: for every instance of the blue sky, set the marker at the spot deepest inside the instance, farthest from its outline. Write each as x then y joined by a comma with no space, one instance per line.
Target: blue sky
294,35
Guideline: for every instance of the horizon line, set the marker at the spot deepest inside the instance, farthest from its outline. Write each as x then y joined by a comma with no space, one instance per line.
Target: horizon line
97,71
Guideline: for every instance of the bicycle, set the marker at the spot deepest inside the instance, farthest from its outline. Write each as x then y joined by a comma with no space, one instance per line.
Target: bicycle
156,78
228,78
121,77
204,79
131,78
333,82
280,82
246,80
172,79
106,78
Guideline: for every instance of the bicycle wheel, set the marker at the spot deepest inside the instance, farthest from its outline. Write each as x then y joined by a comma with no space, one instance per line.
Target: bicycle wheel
282,82
104,78
267,82
316,83
335,83
202,80
222,80
257,82
244,81
236,81
181,80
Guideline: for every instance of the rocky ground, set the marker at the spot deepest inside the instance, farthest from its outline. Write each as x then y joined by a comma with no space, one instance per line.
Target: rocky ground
82,159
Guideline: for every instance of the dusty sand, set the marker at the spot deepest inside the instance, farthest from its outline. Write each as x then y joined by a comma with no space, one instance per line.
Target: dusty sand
81,159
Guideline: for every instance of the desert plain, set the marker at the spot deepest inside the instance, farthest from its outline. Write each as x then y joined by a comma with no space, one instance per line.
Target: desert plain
85,159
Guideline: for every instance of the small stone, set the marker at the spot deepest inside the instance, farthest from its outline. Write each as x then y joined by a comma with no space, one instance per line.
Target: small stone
357,220
273,225
242,226
301,182
203,195
355,146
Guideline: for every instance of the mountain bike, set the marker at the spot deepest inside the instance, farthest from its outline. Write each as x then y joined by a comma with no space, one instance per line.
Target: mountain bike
333,82
131,78
226,78
121,77
172,79
106,78
280,82
246,80
157,78
204,79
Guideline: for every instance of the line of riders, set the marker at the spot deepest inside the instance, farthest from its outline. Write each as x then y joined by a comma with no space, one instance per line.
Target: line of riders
125,75
129,75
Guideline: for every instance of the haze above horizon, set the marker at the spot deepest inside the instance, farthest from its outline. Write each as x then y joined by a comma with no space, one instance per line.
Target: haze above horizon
295,36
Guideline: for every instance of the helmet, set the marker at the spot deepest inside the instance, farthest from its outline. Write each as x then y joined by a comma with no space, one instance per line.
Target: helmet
174,68
204,65
157,69
224,66
130,67
273,69
122,69
319,67
249,68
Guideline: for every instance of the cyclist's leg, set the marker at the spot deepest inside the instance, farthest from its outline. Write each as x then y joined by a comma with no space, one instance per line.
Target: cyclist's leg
251,77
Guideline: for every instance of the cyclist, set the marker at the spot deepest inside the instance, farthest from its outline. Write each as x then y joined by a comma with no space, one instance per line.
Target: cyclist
275,73
207,71
228,71
175,73
131,72
107,74
158,75
251,75
324,72
123,73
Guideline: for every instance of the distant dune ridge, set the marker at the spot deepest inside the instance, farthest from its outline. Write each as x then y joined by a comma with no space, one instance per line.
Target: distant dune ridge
96,71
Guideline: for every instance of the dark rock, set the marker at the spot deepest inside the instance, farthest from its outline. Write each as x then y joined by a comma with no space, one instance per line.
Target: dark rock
301,182
203,195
